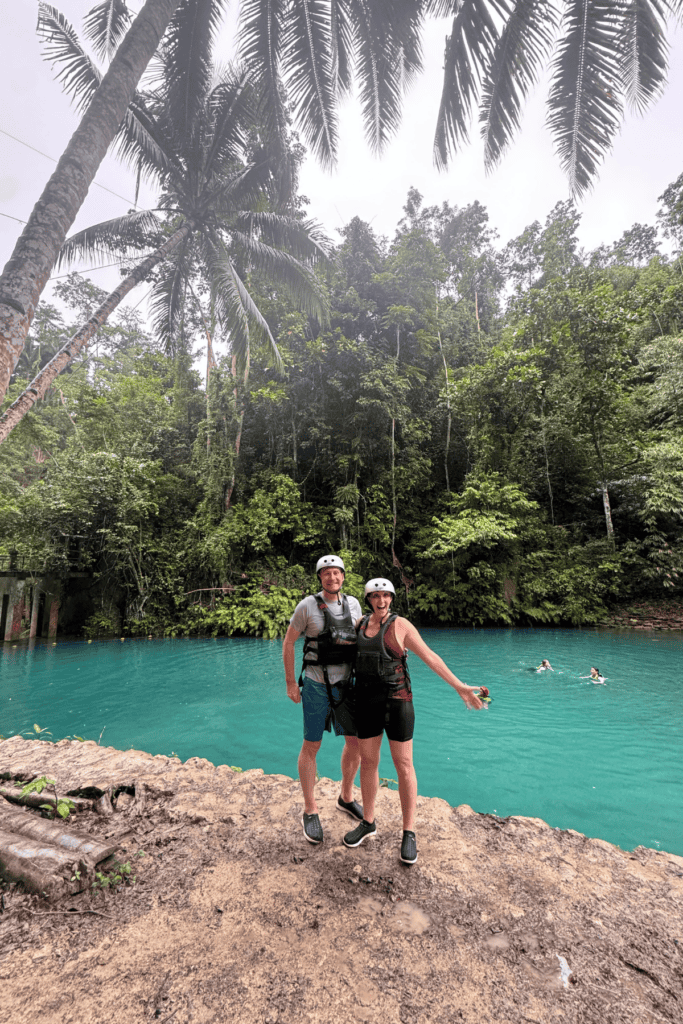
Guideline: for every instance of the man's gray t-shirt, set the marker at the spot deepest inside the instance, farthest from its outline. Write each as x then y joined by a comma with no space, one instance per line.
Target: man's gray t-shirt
309,620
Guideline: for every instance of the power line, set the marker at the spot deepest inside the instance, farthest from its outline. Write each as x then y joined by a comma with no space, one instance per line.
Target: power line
9,217
87,270
48,157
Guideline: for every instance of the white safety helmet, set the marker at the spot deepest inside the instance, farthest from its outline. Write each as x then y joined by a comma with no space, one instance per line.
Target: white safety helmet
330,562
378,586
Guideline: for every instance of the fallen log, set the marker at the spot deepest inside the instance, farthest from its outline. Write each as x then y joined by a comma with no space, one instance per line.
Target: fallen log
39,867
80,844
37,799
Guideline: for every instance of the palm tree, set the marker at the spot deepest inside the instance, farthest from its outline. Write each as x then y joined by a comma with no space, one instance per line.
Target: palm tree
604,55
223,210
316,45
29,267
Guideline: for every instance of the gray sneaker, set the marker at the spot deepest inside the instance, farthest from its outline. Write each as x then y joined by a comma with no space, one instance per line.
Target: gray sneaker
364,831
313,830
408,848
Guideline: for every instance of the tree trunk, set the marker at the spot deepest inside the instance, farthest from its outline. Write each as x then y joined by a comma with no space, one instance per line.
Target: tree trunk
238,439
448,399
393,482
30,265
608,512
39,385
210,364
547,464
295,474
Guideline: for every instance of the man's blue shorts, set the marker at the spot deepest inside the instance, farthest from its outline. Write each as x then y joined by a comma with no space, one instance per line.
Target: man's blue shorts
317,708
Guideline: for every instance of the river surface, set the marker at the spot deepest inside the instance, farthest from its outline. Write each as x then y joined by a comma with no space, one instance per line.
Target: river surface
606,760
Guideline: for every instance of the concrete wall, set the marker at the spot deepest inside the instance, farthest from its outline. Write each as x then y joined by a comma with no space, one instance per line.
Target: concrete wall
22,599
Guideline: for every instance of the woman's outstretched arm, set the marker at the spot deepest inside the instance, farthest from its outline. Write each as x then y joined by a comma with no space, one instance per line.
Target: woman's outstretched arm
412,641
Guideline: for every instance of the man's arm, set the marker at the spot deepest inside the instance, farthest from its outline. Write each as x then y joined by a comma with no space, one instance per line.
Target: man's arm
291,637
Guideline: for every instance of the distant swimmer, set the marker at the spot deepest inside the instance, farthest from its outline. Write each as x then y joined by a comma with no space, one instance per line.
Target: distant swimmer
545,666
595,676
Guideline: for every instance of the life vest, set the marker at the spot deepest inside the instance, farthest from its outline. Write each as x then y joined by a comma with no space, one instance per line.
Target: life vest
334,645
376,667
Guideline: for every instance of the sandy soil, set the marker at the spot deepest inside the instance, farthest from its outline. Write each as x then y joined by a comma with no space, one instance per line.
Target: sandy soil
234,917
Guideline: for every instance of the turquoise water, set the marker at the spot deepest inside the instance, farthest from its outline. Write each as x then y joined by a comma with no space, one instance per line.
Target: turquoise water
605,760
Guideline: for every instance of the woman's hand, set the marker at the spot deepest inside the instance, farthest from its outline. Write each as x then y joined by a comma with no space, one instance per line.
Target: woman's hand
469,695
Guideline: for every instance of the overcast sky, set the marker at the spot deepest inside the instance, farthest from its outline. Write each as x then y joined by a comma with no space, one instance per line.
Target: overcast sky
647,156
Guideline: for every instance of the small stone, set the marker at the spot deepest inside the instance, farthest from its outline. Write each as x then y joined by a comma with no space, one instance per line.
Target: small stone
357,869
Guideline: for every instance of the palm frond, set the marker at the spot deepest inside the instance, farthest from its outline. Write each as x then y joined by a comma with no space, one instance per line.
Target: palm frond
140,141
167,301
387,45
469,52
226,192
262,25
111,238
106,25
405,22
645,52
237,313
307,55
341,37
72,65
585,105
303,239
260,49
186,54
232,109
517,59
295,278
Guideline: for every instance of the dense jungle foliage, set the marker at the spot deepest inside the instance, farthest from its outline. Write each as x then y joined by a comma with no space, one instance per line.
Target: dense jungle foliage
499,429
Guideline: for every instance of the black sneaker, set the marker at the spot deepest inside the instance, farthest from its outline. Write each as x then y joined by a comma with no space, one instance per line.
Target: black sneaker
313,830
353,808
408,848
364,831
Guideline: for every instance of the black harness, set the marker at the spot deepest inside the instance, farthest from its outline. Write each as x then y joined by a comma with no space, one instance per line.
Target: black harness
334,645
376,667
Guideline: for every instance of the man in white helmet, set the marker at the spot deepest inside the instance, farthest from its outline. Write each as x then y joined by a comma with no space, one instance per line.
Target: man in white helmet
327,621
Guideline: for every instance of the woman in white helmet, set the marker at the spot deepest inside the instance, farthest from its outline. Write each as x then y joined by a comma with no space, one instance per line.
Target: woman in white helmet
384,703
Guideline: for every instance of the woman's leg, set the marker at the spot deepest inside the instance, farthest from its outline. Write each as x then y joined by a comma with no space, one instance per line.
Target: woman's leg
369,776
350,761
402,755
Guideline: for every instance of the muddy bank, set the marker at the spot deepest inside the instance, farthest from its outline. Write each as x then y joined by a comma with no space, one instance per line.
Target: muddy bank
234,917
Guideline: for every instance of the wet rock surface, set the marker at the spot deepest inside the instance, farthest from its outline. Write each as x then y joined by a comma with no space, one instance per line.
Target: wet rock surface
235,917
649,615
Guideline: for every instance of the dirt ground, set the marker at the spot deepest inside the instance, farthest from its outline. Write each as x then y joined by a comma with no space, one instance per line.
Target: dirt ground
234,917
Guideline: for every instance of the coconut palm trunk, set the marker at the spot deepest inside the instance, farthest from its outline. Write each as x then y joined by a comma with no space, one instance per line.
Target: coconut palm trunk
30,265
40,384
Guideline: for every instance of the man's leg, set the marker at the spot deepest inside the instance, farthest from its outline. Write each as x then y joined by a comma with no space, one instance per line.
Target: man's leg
307,774
350,763
402,755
